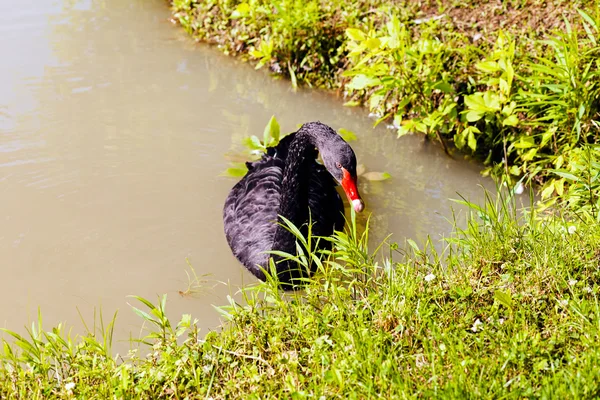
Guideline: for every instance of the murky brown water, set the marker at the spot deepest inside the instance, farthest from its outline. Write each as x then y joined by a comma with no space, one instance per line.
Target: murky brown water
113,127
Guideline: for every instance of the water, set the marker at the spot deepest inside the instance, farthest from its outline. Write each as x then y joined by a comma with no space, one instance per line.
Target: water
113,130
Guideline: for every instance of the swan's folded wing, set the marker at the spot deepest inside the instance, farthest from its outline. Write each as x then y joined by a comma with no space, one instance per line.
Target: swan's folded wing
250,213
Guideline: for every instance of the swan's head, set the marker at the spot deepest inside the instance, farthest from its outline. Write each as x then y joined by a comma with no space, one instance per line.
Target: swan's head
340,161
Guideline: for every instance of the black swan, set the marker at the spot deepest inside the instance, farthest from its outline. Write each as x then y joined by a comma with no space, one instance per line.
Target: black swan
288,181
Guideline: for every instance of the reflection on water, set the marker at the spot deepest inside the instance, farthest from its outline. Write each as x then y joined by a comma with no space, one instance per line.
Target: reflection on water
113,127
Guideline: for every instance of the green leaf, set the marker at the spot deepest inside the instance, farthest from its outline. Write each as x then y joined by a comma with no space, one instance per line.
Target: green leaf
236,172
293,76
529,155
473,115
413,244
374,101
254,143
472,141
504,298
491,101
355,34
488,66
568,176
515,170
512,120
347,135
443,86
459,140
271,132
559,161
475,102
242,10
547,192
361,81
524,142
373,43
504,86
256,53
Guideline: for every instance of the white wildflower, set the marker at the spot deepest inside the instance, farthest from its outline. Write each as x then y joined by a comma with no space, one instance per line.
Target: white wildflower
587,289
572,229
572,282
476,325
519,189
429,277
563,302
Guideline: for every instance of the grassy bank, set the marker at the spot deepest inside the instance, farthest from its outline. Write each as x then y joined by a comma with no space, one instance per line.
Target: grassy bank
516,84
509,310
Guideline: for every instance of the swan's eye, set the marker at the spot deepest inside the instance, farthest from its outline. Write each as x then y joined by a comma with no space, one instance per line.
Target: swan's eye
337,164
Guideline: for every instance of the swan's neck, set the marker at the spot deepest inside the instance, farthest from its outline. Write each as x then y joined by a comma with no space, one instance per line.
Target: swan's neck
294,189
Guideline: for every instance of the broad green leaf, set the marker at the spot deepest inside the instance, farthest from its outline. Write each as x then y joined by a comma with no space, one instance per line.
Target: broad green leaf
236,172
568,176
459,140
355,34
559,185
488,66
504,86
512,120
256,53
509,108
509,73
361,81
472,141
473,115
255,143
413,244
475,102
404,130
547,192
443,86
271,132
404,102
559,161
373,43
491,100
356,50
529,155
242,10
347,135
524,142
504,298
374,101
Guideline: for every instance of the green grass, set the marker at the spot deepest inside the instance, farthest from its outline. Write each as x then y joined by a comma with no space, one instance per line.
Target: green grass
510,310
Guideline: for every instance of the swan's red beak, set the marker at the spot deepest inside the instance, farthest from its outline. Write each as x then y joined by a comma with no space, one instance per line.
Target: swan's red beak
349,186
